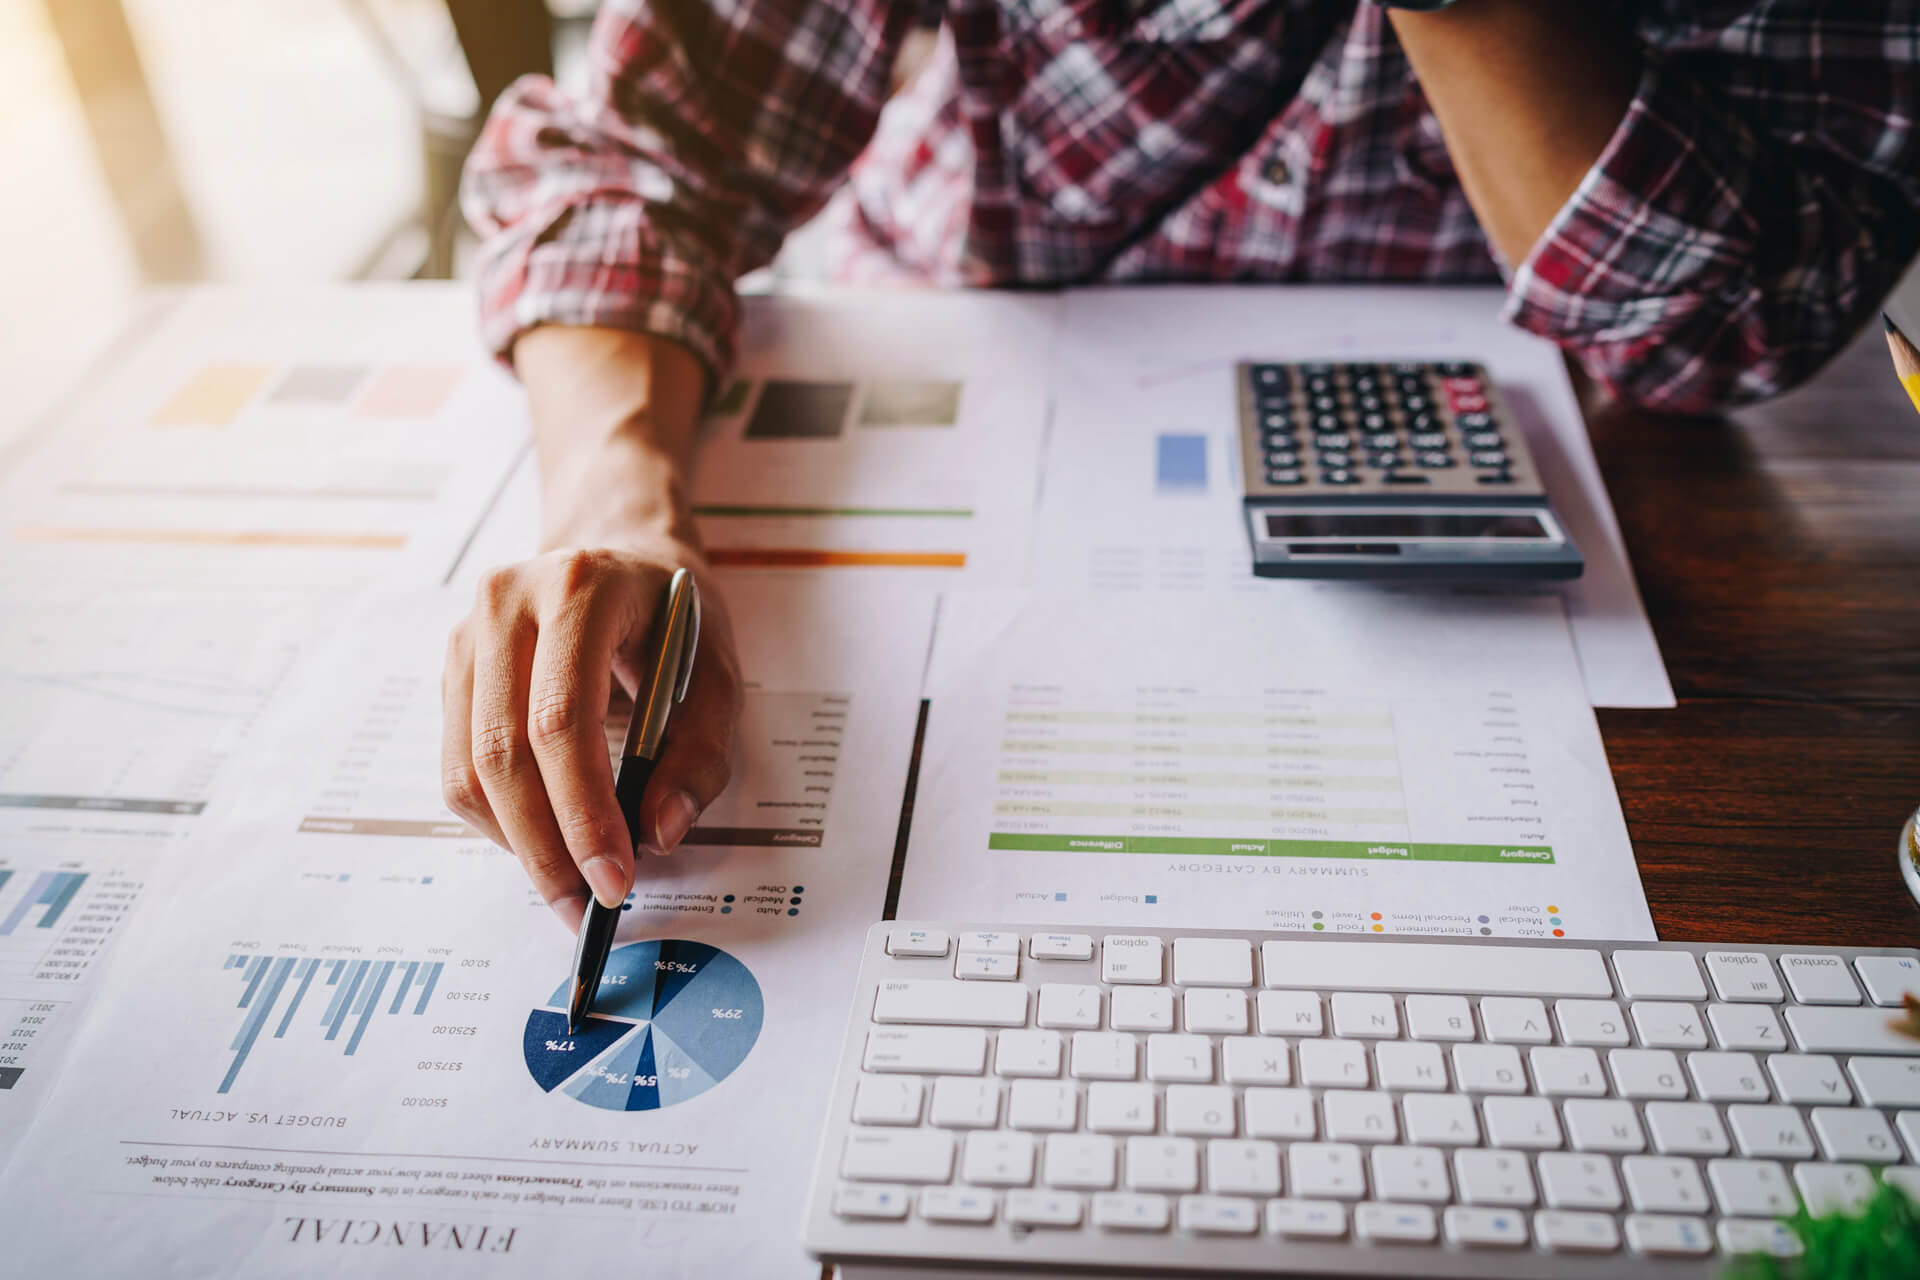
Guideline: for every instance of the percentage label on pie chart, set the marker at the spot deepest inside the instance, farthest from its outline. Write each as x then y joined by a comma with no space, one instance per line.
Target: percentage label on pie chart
672,1019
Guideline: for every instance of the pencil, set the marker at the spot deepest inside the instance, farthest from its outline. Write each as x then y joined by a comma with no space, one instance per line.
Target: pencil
1906,359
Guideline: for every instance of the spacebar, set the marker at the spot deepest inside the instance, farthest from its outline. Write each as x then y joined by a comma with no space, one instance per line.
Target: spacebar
964,1004
1435,966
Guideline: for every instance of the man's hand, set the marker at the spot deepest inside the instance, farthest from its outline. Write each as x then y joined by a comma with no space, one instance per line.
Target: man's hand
529,672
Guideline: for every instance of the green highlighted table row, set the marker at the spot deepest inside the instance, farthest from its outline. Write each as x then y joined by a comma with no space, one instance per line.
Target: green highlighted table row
1204,846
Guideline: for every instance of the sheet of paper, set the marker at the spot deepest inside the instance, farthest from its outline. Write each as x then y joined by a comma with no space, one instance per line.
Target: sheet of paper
321,436
880,430
1315,757
338,1050
1141,489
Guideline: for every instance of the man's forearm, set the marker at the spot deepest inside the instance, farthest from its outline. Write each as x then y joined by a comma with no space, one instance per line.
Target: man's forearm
1527,93
614,416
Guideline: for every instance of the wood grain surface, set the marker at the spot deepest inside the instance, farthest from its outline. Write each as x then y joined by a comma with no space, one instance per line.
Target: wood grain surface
1778,551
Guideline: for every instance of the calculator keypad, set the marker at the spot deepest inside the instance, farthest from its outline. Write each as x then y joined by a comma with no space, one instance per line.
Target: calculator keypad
1412,427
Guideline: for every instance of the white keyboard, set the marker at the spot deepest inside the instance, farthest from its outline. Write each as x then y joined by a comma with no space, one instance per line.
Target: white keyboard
1288,1103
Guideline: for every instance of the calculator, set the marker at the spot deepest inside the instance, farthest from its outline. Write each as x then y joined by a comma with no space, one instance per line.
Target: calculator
1397,469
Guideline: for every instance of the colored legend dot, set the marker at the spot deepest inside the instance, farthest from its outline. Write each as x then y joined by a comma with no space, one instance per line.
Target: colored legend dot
1483,920
1552,910
1374,916
1379,928
1316,915
1318,925
726,911
799,888
728,898
1484,931
1559,933
1553,919
793,911
796,902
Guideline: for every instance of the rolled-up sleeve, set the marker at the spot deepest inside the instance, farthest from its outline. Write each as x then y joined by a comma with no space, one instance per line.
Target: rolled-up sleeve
1755,205
708,129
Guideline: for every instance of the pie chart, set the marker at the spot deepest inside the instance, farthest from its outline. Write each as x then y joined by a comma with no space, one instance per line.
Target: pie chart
672,1019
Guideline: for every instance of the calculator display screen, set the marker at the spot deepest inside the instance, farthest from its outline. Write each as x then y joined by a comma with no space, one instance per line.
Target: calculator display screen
1365,525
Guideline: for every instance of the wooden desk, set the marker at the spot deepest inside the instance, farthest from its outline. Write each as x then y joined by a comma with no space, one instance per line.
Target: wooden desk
1779,555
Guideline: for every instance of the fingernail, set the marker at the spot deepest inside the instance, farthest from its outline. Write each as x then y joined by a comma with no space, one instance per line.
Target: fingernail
607,880
676,819
571,909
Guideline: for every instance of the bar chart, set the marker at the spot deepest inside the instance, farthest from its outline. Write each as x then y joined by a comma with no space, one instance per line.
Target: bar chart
51,893
355,992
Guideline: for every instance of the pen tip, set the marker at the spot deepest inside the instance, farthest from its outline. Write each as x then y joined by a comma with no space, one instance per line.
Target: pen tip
1887,320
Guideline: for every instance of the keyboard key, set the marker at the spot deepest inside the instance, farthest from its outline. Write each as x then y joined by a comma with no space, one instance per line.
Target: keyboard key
1069,1007
1394,1223
1410,1066
1658,975
1808,1077
1369,1015
1887,1082
1200,1110
1562,1232
1123,1211
1484,1228
1186,1058
1416,1174
884,1201
1888,978
1906,1177
1440,1119
1141,1009
1043,1105
1647,1073
1746,1026
1833,1188
1044,1208
1162,1164
1085,1162
1770,1131
1592,1022
887,1100
1493,1177
1213,962
1307,1219
1818,979
1027,1053
1071,946
1731,1077
1515,1020
1237,1166
1567,1072
1288,1013
1358,1115
1572,1181
898,1155
970,966
1744,976
1687,1129
908,941
1845,1133
1603,1124
998,1159
1103,1055
1488,1068
926,1050
1661,1235
1530,1123
1219,1215
1329,1170
1131,958
1121,1108
1439,1018
1340,1063
965,1104
995,942
1867,1030
1280,1113
1751,1188
1449,968
1665,1025
956,1204
1739,1235
964,1004
1215,1011
1664,1184
1252,1060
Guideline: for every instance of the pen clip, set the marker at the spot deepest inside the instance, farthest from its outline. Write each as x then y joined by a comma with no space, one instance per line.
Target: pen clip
692,642
666,665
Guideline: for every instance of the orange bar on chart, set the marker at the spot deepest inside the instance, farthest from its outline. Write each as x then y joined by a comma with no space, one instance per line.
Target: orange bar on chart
802,558
409,391
213,396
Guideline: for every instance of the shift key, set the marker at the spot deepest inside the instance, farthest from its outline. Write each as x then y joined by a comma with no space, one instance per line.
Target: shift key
958,1051
957,1004
912,1155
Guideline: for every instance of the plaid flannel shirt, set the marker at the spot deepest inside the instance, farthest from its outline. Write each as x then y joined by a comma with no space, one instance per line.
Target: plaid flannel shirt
1760,197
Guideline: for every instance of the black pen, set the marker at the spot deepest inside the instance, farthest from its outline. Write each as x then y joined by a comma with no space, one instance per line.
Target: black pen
666,666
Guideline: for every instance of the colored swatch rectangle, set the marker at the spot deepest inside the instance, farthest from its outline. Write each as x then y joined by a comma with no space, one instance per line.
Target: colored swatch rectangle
213,396
319,384
910,404
409,392
1180,464
800,411
800,558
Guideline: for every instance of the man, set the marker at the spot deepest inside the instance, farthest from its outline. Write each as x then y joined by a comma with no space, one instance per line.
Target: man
1701,199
